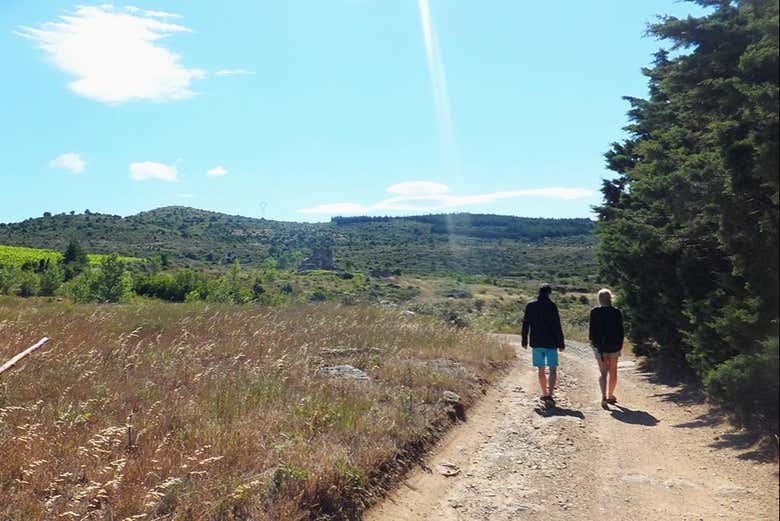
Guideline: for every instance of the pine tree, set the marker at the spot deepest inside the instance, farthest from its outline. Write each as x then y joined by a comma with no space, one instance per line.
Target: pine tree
74,259
689,226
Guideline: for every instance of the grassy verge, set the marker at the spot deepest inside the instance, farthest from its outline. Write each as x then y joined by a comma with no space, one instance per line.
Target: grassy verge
194,411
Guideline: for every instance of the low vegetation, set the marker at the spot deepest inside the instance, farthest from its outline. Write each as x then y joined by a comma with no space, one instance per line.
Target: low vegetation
490,303
220,412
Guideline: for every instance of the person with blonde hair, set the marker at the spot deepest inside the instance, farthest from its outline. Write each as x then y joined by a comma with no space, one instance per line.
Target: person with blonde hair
606,338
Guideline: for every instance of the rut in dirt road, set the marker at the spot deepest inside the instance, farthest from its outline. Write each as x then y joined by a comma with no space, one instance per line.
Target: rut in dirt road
648,457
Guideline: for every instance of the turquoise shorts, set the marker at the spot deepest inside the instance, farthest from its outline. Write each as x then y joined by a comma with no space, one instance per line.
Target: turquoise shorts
545,356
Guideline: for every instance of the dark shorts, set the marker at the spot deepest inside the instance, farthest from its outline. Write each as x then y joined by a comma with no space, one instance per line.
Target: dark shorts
602,356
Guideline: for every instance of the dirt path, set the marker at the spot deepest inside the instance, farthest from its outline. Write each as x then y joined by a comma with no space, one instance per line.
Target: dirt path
655,457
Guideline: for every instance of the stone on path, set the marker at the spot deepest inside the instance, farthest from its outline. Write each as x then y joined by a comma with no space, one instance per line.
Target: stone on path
730,490
448,469
678,483
637,478
343,371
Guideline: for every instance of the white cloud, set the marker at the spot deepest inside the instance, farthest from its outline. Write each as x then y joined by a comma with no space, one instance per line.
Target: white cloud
115,55
217,171
150,170
233,72
69,161
425,196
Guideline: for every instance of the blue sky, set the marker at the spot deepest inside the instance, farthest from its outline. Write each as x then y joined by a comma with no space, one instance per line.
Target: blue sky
300,110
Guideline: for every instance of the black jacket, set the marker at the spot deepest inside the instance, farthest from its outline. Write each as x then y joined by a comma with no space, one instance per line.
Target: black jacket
542,319
606,329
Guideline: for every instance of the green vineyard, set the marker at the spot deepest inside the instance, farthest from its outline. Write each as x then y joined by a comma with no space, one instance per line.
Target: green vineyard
19,255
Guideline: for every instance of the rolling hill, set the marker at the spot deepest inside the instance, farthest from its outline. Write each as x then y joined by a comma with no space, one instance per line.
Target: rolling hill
468,243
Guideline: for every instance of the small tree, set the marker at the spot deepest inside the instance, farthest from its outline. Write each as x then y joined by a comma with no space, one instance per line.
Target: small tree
232,283
257,288
29,284
52,277
79,288
74,259
9,278
112,282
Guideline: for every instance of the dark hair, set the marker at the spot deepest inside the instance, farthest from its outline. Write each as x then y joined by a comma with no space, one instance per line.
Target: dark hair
545,290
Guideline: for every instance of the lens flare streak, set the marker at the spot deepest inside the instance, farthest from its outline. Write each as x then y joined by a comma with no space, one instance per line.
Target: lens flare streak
441,95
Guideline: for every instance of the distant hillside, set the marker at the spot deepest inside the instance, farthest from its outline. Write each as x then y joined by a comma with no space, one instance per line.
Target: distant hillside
487,244
487,226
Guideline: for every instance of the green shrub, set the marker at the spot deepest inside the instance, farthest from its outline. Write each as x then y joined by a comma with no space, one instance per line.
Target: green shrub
112,282
171,286
193,296
456,293
257,288
318,295
51,279
79,289
29,284
9,278
748,382
108,283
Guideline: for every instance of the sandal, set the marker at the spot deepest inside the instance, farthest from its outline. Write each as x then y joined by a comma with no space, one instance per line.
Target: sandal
612,400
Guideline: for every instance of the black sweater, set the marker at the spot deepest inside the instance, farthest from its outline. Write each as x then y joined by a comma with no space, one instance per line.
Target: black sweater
606,329
542,319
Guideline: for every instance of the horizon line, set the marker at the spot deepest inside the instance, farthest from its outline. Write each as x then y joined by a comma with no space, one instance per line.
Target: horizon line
328,220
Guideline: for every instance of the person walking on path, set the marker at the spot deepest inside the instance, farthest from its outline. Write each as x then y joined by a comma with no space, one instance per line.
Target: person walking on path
543,322
606,338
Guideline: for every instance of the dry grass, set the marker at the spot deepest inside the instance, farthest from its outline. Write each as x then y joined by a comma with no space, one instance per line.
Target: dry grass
161,411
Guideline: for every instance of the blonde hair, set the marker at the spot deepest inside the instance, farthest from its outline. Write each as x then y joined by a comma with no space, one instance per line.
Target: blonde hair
605,297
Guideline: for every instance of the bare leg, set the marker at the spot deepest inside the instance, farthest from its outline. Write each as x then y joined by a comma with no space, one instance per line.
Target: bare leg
612,366
553,380
543,381
602,377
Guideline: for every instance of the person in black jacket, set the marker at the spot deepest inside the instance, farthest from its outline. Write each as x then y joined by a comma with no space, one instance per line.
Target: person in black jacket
542,321
606,338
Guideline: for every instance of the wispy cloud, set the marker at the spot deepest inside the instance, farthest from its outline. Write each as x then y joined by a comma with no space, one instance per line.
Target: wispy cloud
69,161
115,54
147,170
413,188
146,12
425,196
233,72
217,171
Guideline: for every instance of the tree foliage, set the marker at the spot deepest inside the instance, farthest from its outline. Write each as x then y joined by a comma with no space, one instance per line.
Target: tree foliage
74,259
110,282
689,226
